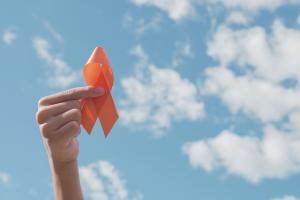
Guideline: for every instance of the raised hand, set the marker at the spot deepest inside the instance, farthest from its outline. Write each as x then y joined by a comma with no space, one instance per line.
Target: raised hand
59,119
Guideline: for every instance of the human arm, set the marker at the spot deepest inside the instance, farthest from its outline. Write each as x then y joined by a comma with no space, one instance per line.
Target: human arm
59,120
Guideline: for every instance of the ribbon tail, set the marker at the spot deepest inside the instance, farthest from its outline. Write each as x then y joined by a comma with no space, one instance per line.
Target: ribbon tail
88,115
108,114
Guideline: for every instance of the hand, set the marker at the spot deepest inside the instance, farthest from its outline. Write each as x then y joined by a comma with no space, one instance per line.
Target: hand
59,119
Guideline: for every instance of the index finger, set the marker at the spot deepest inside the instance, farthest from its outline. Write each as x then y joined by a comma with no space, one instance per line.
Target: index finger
72,94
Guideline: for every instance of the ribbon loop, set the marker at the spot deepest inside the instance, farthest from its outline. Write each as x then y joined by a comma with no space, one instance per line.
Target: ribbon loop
98,73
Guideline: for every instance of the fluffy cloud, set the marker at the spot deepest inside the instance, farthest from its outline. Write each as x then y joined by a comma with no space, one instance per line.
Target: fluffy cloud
4,178
275,155
287,197
60,74
269,69
253,96
273,56
102,181
9,37
259,76
155,97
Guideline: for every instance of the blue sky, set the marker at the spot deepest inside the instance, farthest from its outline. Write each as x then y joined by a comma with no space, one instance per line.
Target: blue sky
208,94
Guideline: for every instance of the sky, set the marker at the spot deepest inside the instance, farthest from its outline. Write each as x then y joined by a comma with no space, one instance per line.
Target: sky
208,94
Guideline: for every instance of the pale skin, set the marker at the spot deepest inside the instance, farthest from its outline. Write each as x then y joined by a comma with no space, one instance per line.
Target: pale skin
59,120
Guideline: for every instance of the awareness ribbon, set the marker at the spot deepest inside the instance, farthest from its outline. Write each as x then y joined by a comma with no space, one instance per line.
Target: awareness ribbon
98,73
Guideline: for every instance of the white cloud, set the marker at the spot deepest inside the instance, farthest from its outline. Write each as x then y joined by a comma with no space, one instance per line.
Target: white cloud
156,97
287,197
238,18
273,56
9,37
141,25
117,184
253,5
182,9
60,74
253,96
4,178
102,181
92,185
255,65
298,19
176,9
267,61
275,155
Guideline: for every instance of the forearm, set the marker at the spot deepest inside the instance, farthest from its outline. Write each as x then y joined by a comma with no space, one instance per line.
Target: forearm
66,181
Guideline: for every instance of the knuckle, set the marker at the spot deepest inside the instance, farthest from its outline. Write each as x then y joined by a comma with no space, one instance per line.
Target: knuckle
42,101
74,126
45,130
40,115
76,114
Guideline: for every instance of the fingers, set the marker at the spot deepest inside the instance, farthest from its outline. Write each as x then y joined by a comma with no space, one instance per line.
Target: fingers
51,127
72,94
64,134
68,131
47,112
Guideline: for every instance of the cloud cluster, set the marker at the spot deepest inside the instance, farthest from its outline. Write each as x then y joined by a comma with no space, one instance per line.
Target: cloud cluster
275,155
156,97
273,56
269,67
102,181
258,76
60,74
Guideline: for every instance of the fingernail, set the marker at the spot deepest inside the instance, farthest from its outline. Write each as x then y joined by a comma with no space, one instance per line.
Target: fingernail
99,91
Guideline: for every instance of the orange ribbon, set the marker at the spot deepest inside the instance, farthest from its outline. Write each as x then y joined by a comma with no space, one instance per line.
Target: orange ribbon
98,73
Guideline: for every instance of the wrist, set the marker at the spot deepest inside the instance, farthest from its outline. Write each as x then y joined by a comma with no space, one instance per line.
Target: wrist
62,167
